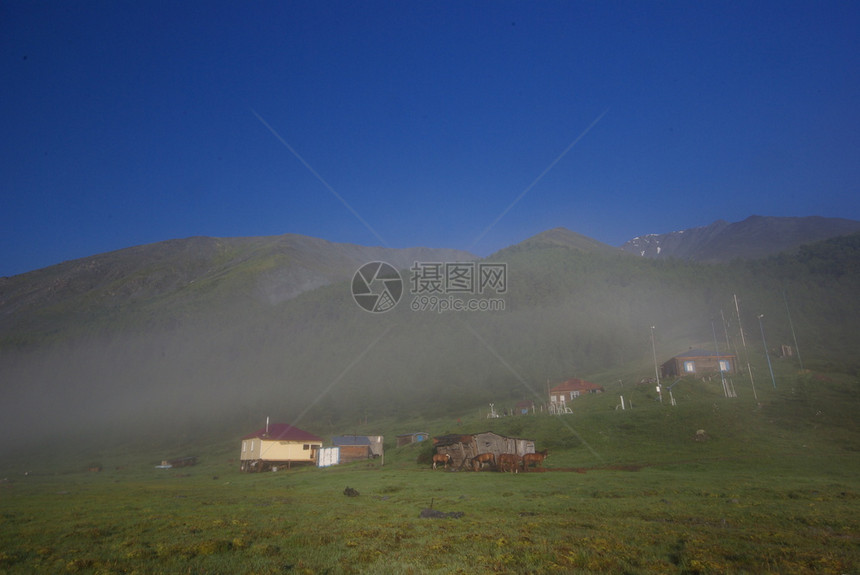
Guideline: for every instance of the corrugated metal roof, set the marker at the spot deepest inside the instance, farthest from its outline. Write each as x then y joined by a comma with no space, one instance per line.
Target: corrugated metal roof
575,385
702,353
350,440
283,432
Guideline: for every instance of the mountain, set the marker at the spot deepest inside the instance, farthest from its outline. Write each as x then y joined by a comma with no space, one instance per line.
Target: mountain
174,339
564,238
168,278
754,237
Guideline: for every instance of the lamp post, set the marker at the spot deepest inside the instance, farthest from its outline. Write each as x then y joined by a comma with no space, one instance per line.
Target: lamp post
656,371
766,353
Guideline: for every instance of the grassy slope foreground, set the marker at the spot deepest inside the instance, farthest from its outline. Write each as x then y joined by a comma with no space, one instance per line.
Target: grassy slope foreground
773,488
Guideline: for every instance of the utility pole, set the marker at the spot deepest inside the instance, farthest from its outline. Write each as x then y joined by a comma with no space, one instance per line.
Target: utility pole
766,353
729,347
719,365
744,343
794,335
656,371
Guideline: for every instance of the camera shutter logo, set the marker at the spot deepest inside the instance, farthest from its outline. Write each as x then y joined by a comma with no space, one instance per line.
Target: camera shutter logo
377,287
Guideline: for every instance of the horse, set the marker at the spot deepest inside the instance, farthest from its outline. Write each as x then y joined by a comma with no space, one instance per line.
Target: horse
509,462
536,458
442,458
479,460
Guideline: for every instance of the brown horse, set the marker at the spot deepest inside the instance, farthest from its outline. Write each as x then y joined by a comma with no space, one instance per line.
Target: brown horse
509,462
479,460
442,458
534,458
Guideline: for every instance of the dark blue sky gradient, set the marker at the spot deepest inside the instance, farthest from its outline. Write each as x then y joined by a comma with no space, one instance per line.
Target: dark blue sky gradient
127,123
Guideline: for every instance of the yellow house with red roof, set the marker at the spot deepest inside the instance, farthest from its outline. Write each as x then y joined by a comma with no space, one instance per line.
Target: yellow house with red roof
278,445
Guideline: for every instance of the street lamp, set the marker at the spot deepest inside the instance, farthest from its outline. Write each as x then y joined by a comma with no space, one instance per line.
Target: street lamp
656,371
766,353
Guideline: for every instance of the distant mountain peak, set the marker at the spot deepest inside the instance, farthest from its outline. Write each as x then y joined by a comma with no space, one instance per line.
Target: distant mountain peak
563,237
755,237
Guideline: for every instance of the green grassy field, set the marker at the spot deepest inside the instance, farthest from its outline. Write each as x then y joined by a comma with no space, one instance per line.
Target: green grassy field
773,488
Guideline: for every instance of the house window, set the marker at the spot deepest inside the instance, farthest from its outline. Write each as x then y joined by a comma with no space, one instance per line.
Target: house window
574,394
306,446
725,365
690,366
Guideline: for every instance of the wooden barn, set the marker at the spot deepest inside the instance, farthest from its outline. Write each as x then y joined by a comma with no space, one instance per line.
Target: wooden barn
571,389
357,447
278,446
524,407
462,448
698,362
407,438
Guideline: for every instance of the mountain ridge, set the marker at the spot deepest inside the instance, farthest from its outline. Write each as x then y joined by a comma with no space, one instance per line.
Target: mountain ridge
755,237
266,268
165,348
145,279
560,237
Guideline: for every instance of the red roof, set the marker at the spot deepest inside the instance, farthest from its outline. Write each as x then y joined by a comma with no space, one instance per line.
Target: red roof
283,432
576,385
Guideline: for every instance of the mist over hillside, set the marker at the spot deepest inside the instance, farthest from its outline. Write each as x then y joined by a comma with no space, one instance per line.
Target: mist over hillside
195,342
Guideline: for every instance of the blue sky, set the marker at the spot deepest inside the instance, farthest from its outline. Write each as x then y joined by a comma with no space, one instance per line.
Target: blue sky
469,125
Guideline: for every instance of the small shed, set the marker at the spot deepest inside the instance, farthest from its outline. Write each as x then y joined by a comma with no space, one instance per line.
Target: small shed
407,438
278,445
698,362
523,407
353,447
462,448
571,389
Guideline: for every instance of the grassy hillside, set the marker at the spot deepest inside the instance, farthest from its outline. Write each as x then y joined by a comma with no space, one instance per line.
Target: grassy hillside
179,364
771,488
166,284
